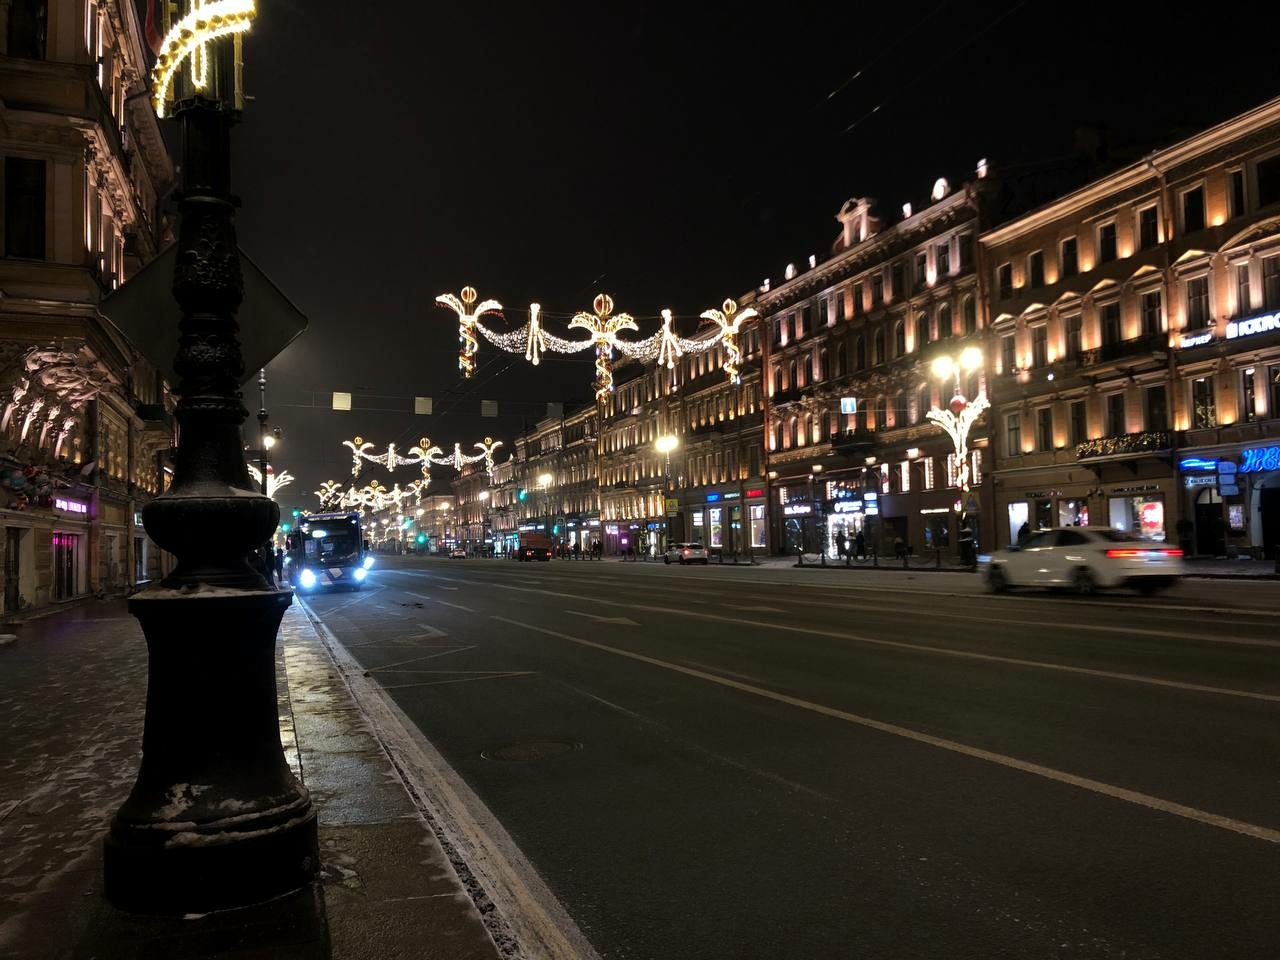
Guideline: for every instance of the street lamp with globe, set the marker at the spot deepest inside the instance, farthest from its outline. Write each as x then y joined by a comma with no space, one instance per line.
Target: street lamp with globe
957,420
664,445
544,483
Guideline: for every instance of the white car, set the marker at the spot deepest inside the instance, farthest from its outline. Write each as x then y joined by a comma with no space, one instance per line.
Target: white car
458,553
685,553
1085,559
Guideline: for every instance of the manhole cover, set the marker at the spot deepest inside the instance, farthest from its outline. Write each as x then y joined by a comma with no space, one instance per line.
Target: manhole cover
531,750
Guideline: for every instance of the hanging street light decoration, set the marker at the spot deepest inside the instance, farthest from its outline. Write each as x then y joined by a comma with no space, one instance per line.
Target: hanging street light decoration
275,481
469,314
604,328
730,321
188,42
961,412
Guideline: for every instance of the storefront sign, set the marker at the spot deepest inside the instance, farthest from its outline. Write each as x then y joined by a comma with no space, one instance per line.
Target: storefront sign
732,496
846,506
935,510
1227,478
755,493
1257,459
1145,488
1197,463
137,518
71,506
712,497
849,405
797,510
1208,481
1267,323
1197,338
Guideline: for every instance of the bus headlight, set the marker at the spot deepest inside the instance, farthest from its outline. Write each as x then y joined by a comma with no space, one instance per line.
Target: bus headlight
368,560
307,578
360,574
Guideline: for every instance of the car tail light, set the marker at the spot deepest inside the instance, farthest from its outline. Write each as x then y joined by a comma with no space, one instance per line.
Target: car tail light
1163,551
687,552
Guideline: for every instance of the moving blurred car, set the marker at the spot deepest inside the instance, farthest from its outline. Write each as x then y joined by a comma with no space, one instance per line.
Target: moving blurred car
685,553
458,553
1085,559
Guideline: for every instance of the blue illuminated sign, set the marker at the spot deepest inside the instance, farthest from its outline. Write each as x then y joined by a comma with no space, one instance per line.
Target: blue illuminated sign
712,497
1197,463
1257,459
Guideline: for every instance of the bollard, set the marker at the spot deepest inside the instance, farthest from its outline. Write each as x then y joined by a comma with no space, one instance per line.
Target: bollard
875,557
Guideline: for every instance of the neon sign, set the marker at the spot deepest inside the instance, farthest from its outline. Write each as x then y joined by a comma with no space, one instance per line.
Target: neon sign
1197,463
1267,323
1257,459
71,506
1197,339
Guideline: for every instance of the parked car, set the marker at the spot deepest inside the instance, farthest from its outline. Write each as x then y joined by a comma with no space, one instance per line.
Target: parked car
458,553
685,553
1085,559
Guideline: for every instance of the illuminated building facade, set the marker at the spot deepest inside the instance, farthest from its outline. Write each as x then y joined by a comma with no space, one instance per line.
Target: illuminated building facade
847,355
86,422
1135,349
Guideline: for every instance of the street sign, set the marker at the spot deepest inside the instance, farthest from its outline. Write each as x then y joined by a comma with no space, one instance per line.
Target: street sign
144,310
673,507
971,505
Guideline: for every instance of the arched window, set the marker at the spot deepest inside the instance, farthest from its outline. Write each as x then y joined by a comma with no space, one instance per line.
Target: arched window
824,366
793,376
793,428
840,361
900,339
924,400
860,353
969,314
944,321
922,330
882,414
878,347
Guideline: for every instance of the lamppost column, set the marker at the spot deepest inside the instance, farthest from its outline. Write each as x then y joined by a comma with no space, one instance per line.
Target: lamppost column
216,818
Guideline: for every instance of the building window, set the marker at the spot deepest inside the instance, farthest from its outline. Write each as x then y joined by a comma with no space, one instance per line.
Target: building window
1271,283
797,324
924,402
1243,301
1109,321
897,280
1035,269
1148,228
900,338
944,321
1004,280
28,29
1106,242
857,299
1198,302
1268,179
1070,257
860,353
1273,395
1115,415
1044,429
901,416
882,414
969,314
838,301
944,259
1235,192
921,270
1008,353
1079,422
1157,408
1193,210
756,512
1248,388
1013,435
1204,406
24,200
1152,314
877,289
878,344
1074,336
922,330
1040,345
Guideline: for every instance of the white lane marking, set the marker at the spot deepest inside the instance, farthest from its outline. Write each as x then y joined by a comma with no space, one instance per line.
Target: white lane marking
443,603
757,609
487,676
922,648
429,656
953,746
623,621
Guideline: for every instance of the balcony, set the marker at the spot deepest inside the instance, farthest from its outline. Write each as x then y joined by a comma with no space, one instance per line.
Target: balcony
1125,445
1152,347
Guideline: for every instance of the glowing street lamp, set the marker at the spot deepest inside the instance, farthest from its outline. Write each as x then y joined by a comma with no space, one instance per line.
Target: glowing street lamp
960,416
664,445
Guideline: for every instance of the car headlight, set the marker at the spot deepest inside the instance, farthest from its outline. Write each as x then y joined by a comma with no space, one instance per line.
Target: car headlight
368,561
361,573
308,579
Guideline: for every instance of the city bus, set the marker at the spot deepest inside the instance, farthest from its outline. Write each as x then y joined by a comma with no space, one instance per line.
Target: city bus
328,550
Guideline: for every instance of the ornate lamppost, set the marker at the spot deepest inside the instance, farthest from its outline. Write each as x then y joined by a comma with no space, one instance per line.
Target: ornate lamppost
664,445
216,818
959,417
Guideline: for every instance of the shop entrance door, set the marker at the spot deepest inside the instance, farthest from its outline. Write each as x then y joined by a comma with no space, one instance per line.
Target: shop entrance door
65,556
1269,507
1210,527
12,544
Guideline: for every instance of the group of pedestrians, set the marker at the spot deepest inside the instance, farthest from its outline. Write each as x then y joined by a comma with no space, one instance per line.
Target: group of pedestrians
268,563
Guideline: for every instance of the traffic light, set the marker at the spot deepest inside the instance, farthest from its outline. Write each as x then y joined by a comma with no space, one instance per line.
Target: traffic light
422,538
522,495
296,513
555,529
284,528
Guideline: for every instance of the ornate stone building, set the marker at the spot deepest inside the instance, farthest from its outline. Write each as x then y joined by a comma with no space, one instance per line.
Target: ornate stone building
1136,366
86,422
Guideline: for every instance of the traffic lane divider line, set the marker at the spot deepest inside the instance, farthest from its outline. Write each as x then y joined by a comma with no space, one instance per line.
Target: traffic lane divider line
1159,804
922,648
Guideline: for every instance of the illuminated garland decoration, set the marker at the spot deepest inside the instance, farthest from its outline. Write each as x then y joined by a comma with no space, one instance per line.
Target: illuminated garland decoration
730,321
956,421
424,454
190,37
468,320
275,481
374,497
665,347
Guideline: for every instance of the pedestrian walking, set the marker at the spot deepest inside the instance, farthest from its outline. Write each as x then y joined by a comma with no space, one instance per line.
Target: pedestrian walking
860,546
279,564
1024,533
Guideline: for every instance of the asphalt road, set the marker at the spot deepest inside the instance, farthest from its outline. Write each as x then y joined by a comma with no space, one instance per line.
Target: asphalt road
780,763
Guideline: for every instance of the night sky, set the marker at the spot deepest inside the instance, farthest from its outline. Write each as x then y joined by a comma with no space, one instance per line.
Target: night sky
669,155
